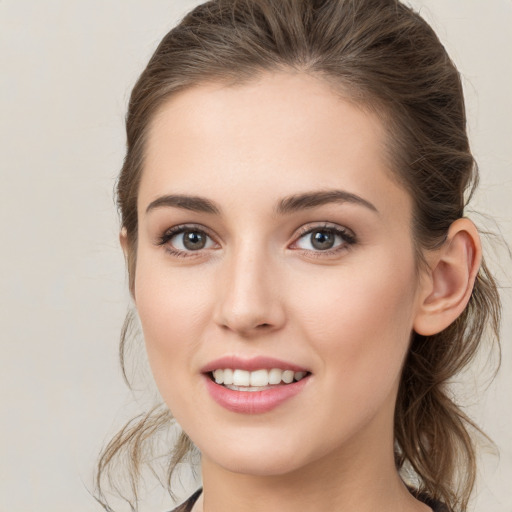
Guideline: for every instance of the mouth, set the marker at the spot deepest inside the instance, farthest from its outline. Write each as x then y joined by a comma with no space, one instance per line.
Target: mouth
253,386
252,381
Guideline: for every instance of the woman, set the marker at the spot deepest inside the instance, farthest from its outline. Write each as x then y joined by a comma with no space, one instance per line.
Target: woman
292,204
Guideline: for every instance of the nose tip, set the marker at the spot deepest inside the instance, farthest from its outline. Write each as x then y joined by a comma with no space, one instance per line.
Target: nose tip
249,302
249,313
245,324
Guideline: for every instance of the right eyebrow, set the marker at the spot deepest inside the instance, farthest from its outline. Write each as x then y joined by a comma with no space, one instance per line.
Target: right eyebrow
193,203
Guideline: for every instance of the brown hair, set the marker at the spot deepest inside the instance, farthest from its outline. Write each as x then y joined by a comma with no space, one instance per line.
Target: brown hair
384,56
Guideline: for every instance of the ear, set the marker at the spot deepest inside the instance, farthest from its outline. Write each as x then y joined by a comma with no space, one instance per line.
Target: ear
447,285
123,240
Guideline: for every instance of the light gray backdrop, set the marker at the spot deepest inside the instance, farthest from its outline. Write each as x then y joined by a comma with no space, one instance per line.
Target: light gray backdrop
66,69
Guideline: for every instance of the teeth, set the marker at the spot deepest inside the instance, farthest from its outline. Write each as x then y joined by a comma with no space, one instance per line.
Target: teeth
287,376
241,378
247,388
218,375
274,376
254,381
228,376
259,378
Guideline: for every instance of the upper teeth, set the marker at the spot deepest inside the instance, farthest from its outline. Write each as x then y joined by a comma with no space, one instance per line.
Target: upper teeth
257,378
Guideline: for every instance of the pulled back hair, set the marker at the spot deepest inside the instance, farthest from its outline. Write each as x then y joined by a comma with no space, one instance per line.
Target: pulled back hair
382,56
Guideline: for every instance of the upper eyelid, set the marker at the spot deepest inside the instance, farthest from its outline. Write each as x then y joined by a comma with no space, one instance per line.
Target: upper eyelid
347,234
180,228
308,228
304,229
298,233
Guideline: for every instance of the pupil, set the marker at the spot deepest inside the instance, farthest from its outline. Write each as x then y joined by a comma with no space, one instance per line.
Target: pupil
194,240
322,240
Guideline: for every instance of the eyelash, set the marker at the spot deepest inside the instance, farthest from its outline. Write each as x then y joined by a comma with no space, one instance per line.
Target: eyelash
176,230
348,237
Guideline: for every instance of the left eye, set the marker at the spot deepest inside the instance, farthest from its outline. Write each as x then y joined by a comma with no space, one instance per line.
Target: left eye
190,240
323,239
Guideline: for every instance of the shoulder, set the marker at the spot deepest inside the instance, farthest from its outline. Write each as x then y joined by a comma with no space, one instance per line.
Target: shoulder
187,505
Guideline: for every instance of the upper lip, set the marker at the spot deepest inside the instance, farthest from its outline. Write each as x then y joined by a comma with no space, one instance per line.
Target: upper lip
251,364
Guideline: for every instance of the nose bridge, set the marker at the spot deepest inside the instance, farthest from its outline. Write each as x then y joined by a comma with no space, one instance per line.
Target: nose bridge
249,300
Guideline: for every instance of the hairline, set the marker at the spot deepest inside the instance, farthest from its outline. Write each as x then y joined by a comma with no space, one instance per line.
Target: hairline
362,99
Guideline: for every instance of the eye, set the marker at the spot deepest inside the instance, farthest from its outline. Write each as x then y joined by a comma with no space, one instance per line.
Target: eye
325,239
183,239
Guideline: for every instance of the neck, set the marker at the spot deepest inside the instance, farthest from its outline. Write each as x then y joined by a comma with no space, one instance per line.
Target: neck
361,477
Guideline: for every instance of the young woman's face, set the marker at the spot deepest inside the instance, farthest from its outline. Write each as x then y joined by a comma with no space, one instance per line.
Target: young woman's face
275,244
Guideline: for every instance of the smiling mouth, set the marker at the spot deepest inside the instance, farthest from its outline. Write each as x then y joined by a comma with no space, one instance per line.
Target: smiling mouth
258,380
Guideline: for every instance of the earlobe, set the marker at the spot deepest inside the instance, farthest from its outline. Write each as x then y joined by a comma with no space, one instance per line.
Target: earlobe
447,288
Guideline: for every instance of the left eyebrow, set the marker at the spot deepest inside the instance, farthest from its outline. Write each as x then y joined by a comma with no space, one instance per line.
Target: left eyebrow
313,199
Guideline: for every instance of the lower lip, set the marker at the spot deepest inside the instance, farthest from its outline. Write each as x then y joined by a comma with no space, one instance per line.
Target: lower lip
253,402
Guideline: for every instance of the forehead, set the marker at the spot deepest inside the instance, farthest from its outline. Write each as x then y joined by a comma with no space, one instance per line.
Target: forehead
279,134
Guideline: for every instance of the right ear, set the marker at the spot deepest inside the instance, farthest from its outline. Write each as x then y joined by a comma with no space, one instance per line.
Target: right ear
123,240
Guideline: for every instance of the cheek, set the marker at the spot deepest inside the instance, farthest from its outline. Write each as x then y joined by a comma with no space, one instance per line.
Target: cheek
360,322
172,308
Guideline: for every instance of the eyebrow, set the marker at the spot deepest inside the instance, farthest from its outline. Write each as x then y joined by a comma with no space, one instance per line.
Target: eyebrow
313,199
285,206
193,203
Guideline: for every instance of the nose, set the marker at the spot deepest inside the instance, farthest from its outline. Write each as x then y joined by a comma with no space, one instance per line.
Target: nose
250,301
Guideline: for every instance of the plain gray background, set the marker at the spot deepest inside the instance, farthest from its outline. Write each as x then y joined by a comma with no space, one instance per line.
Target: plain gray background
67,67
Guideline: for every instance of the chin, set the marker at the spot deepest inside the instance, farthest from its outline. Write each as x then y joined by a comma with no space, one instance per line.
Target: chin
261,456
259,465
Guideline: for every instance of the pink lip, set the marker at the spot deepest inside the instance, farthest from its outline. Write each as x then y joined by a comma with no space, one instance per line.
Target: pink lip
253,402
252,364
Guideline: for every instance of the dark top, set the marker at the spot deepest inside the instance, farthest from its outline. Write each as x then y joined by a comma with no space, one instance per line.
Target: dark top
436,506
187,506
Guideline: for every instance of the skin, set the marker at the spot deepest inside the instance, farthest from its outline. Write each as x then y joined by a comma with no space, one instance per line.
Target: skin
259,287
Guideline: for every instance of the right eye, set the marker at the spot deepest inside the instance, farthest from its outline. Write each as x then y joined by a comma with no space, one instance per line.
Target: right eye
181,240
